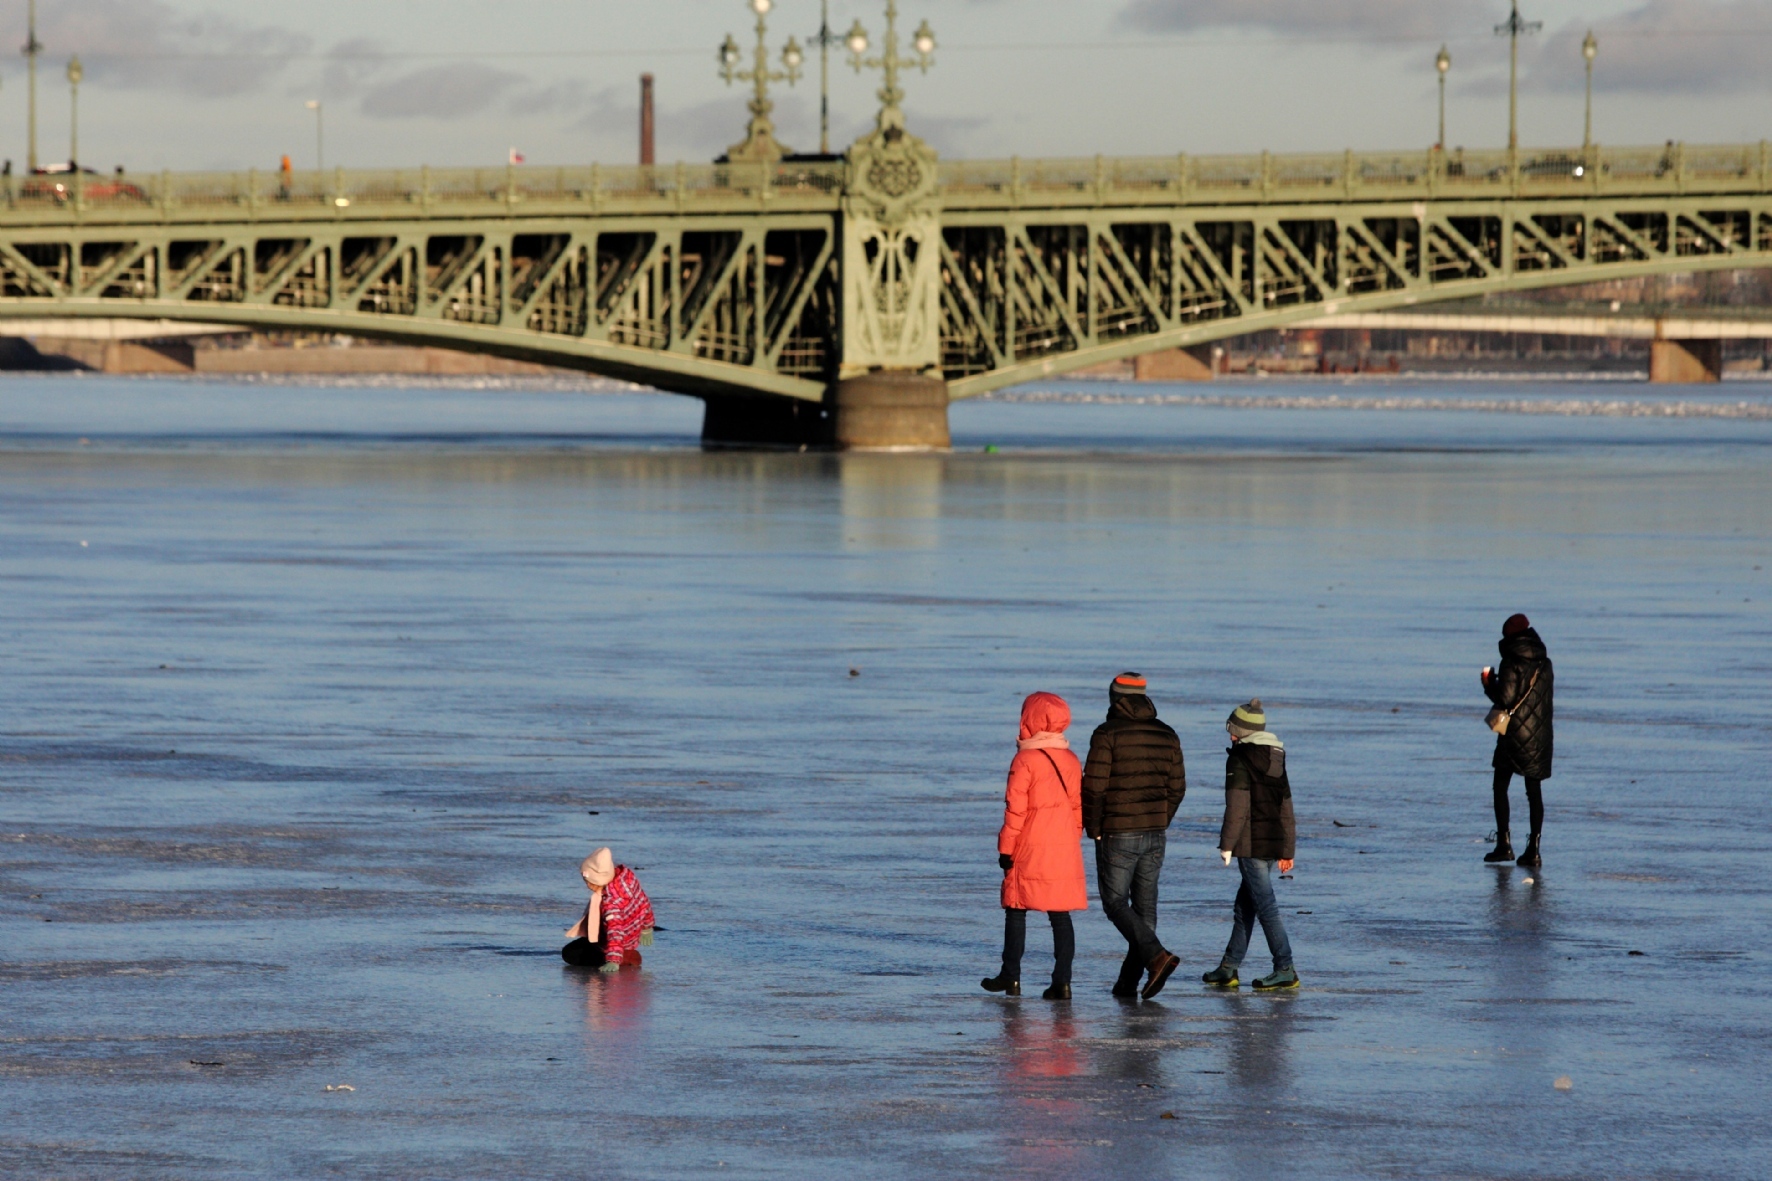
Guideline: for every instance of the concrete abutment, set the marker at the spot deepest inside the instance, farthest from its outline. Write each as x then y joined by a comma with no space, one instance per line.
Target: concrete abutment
1685,362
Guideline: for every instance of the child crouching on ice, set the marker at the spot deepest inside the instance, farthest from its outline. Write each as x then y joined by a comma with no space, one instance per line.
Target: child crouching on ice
617,921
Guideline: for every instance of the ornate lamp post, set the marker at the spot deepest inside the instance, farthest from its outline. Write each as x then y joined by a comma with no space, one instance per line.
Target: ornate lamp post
760,144
1442,63
889,62
1512,28
1590,48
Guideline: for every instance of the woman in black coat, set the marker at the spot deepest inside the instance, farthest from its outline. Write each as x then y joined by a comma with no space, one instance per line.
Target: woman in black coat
1523,686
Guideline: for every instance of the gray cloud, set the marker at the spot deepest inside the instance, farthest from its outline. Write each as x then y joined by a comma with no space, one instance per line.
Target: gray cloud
449,91
1693,47
148,45
351,65
1358,18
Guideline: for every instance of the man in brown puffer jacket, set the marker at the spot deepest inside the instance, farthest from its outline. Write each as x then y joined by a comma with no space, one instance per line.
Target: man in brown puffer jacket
1132,785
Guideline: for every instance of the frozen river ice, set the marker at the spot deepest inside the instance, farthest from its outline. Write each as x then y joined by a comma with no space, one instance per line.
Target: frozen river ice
315,695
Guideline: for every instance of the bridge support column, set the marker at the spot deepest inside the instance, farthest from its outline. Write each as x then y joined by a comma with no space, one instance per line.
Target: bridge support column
892,410
1193,364
1685,362
747,423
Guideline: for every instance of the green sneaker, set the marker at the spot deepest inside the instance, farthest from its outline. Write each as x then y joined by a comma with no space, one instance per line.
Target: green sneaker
1223,976
1287,978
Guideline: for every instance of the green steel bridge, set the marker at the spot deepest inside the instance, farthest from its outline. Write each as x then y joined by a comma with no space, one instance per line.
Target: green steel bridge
848,299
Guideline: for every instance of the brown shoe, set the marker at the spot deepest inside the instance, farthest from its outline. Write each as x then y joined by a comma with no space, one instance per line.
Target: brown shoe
1161,968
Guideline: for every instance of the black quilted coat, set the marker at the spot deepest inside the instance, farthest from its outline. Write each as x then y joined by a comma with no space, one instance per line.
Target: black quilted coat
1134,779
1526,747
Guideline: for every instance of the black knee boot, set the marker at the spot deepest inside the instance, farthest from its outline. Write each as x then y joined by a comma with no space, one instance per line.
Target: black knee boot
1530,857
1504,845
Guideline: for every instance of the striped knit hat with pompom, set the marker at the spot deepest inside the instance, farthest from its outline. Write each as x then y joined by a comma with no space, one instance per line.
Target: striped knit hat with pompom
1247,719
1127,685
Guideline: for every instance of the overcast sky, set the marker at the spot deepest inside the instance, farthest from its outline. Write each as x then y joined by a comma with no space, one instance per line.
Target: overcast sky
222,83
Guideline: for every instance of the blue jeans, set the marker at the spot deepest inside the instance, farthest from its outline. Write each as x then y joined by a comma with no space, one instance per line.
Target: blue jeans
1126,869
1256,900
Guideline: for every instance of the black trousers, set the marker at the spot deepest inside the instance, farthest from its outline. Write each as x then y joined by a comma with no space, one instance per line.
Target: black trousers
1015,942
582,953
1534,801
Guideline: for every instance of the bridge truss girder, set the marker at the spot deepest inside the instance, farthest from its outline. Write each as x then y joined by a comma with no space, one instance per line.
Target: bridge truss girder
746,291
1029,293
708,306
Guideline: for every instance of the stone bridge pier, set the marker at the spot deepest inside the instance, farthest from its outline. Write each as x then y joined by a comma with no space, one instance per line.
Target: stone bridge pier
1685,362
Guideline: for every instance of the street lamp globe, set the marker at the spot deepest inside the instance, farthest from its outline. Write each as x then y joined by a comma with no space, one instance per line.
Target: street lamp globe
75,72
762,7
1443,62
792,56
1590,47
924,39
729,55
856,39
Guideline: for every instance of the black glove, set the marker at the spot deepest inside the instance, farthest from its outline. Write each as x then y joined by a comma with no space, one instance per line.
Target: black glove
1005,862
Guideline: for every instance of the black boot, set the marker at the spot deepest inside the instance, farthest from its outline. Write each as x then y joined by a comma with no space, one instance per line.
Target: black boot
1002,984
1530,857
1058,992
1504,848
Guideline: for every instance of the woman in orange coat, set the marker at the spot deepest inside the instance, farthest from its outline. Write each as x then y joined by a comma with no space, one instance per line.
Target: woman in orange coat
1040,845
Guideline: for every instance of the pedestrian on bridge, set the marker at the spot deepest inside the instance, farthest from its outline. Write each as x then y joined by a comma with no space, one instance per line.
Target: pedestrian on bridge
1039,847
1132,785
1520,691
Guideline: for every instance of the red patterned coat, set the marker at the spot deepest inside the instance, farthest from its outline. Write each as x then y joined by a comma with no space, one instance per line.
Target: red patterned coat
626,913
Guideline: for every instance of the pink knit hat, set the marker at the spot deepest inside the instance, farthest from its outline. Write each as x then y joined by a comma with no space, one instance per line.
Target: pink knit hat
598,869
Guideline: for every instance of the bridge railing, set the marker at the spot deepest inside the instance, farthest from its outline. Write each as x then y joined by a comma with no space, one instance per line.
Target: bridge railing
445,191
816,185
1355,176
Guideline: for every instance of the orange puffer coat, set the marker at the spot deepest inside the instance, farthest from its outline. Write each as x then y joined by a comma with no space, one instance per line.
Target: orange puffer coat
1043,814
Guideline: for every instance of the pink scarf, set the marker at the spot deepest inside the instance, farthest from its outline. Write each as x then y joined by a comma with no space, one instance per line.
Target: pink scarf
1044,740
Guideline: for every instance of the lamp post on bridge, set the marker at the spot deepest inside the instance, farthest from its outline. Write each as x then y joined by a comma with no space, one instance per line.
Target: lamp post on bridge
760,144
1590,49
1442,63
889,62
75,74
824,40
1512,28
32,48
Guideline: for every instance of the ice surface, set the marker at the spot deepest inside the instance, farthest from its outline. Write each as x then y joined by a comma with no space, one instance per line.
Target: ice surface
298,755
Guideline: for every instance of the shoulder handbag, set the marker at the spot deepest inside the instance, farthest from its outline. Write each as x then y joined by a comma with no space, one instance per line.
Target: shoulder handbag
1497,718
